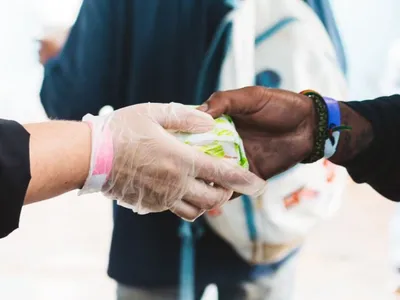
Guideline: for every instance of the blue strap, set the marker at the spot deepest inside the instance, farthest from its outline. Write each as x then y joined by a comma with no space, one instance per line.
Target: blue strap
251,224
221,30
324,11
186,287
232,3
267,77
274,29
187,267
264,270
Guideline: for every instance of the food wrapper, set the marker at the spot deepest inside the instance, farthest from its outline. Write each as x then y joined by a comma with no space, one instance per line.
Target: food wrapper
223,141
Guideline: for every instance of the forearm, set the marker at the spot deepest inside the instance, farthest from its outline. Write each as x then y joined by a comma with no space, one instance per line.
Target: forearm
354,141
370,150
59,158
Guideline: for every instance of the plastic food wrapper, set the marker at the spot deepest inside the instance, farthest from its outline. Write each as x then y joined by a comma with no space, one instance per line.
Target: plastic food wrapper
223,141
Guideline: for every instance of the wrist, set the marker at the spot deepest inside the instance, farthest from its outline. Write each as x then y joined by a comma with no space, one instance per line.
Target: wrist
102,154
309,129
59,153
327,126
320,122
334,127
352,142
80,179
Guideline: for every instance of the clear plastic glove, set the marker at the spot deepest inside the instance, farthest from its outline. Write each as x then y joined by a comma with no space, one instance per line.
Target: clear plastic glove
150,170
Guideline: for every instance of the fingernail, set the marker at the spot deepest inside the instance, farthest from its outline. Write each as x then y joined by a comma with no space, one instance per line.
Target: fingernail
203,107
202,114
255,188
259,187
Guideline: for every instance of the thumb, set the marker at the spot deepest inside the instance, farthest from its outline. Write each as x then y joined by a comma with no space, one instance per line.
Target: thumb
179,117
235,102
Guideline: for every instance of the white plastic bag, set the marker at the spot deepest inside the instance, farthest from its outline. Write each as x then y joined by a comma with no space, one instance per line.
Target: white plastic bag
288,39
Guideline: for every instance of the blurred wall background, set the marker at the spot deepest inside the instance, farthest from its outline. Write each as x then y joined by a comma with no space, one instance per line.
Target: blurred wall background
368,28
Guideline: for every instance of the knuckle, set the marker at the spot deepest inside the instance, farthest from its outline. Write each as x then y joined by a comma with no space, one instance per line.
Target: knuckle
164,174
169,171
217,95
221,195
211,203
261,93
259,90
231,176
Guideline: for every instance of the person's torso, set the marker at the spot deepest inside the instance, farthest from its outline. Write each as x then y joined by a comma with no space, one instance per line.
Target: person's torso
167,44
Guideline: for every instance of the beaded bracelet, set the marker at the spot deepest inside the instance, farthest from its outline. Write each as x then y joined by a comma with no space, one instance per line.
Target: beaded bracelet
322,126
325,129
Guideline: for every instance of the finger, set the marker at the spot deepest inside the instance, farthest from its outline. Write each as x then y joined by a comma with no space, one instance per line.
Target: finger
227,175
179,117
186,211
236,102
205,196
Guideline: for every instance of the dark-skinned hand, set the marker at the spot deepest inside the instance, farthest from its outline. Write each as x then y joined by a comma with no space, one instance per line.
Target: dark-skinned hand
277,126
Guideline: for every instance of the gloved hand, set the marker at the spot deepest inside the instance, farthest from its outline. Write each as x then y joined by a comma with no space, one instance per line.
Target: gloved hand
136,160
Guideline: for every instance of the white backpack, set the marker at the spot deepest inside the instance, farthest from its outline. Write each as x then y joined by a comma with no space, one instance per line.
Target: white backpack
282,42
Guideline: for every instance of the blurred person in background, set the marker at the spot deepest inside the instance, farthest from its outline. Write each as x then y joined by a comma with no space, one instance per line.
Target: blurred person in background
51,44
129,52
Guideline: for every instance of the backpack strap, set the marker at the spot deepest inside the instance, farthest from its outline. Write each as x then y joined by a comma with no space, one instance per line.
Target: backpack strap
324,11
188,232
187,265
186,274
251,226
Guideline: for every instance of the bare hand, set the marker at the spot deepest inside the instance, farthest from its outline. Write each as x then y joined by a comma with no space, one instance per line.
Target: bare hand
277,126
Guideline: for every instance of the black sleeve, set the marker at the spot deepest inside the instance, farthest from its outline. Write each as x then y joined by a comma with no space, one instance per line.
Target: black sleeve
14,173
379,164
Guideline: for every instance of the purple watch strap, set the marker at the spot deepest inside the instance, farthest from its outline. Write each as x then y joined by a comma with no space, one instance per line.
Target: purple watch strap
333,112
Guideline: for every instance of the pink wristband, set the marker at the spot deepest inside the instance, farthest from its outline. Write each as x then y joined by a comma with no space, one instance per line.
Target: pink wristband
105,155
100,169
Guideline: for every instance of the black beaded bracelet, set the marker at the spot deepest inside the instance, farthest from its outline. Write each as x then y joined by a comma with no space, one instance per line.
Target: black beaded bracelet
322,130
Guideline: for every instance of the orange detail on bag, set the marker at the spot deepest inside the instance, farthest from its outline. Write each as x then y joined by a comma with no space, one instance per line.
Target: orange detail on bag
331,170
296,197
214,212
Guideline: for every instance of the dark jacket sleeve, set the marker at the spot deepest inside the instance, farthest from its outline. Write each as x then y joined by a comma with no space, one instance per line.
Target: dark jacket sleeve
379,165
14,174
77,81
